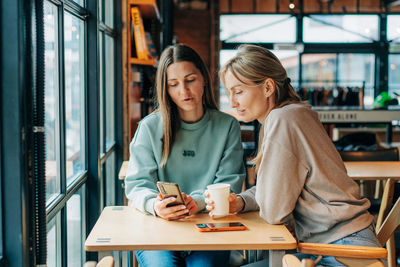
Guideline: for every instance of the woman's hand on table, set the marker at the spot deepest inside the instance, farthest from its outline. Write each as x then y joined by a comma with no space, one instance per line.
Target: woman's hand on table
236,203
169,213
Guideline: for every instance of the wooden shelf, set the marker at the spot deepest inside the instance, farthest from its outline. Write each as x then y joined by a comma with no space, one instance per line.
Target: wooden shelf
148,8
151,62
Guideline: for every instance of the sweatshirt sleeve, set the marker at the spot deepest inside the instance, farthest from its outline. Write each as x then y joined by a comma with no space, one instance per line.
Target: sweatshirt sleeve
231,168
249,199
280,180
141,177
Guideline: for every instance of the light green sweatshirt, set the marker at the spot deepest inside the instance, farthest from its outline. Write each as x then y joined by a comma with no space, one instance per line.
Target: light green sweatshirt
206,152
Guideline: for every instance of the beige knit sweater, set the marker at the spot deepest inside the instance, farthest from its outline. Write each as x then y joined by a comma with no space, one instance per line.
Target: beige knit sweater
302,176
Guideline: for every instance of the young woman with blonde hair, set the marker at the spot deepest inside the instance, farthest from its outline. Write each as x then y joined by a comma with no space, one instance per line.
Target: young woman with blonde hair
186,141
300,175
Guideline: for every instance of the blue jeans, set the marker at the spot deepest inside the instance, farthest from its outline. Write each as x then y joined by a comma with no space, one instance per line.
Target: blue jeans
365,237
183,258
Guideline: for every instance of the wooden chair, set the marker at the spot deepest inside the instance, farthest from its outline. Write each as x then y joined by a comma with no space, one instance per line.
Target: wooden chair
107,261
356,256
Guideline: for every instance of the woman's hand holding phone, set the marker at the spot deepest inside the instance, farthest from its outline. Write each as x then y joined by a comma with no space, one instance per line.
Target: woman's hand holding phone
191,205
169,213
236,203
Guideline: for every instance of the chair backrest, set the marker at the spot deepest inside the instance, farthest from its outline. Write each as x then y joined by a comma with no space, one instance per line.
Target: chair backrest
356,142
390,224
389,154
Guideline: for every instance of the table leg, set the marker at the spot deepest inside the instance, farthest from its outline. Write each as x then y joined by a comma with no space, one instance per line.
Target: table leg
124,260
102,254
275,257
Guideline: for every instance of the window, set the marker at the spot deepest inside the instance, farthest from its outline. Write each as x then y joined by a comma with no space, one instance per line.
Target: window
394,74
393,36
319,51
68,102
80,2
74,56
258,28
71,125
107,107
54,242
110,91
65,129
393,28
52,123
340,28
75,217
330,71
109,13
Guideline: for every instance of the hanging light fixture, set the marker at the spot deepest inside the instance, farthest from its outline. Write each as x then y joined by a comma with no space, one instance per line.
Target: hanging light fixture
291,5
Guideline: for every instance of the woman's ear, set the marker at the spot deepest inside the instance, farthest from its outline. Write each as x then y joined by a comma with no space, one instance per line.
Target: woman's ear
269,87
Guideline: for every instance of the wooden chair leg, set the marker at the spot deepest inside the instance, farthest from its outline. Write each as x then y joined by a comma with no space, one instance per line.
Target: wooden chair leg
386,203
362,188
378,189
390,246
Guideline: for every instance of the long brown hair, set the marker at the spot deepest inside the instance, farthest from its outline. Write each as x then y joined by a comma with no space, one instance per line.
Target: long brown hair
256,64
167,108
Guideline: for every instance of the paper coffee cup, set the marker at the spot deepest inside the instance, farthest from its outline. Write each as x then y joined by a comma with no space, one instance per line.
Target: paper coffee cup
219,193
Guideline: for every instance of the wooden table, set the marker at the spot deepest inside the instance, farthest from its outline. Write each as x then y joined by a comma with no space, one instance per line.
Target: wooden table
122,228
373,170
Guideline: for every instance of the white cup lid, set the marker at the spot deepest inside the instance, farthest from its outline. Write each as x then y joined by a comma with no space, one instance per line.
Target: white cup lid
217,186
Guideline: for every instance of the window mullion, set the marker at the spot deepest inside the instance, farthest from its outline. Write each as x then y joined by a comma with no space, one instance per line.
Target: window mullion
62,128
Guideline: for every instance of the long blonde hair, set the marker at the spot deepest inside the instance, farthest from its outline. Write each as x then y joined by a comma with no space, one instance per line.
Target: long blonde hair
167,108
256,64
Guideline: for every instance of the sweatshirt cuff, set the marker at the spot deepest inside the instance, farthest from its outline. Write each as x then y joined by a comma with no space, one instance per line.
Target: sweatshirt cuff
200,201
249,202
149,206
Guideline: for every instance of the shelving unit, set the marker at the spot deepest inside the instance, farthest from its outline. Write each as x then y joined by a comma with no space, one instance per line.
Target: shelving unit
148,8
139,71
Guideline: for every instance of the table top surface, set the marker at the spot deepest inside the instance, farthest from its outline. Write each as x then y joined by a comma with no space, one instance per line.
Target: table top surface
123,228
373,170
